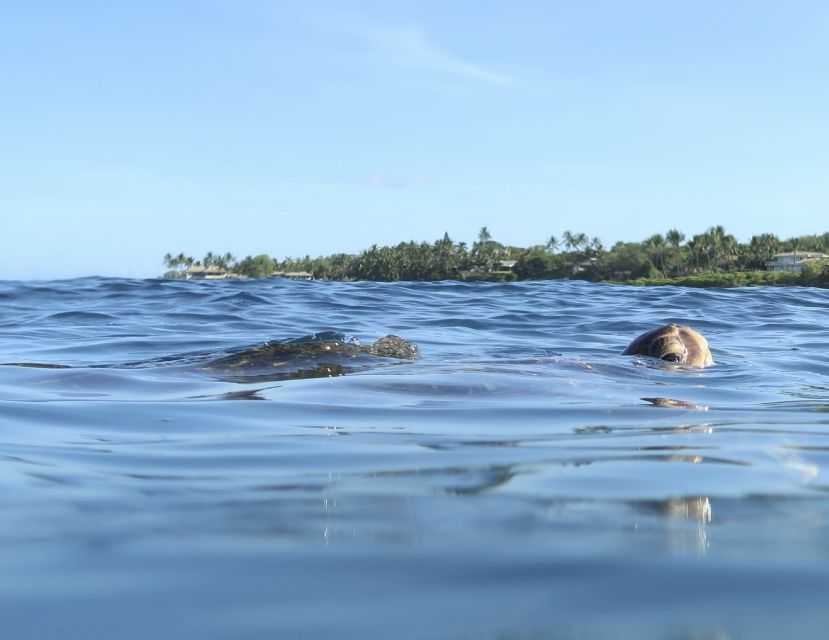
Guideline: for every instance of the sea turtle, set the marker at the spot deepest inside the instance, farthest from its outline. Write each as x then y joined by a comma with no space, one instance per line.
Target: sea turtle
673,343
320,355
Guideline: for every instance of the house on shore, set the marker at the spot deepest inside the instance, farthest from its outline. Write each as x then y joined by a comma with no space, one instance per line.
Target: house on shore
793,261
210,273
293,275
580,266
205,273
499,266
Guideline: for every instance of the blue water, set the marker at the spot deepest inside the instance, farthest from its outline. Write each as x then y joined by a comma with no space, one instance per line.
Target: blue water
511,483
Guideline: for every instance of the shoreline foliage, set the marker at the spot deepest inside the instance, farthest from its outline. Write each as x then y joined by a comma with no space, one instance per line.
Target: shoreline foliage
713,258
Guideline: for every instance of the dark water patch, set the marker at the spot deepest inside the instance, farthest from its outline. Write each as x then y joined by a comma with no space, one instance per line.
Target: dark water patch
241,298
80,317
35,365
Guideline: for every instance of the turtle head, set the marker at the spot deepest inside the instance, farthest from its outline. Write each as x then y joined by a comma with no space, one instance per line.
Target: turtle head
668,348
394,347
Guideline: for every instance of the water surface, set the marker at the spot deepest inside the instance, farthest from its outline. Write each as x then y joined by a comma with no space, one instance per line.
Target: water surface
512,483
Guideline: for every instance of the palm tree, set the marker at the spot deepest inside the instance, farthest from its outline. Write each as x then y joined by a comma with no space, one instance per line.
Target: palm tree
696,249
596,247
762,248
227,261
178,263
552,244
581,242
675,238
795,242
729,250
484,236
656,244
722,246
716,236
484,249
702,246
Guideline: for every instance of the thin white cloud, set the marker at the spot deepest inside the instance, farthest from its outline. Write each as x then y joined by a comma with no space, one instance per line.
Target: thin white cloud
386,181
409,46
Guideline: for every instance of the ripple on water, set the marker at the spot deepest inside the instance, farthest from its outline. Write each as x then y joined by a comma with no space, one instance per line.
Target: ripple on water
521,474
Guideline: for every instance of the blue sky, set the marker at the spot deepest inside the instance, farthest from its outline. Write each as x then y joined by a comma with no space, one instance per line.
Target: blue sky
132,129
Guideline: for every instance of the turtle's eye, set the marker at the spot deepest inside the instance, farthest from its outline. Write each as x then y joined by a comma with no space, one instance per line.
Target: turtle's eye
672,357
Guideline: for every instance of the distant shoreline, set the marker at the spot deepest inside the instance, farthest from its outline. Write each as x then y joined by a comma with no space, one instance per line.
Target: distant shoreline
710,259
708,280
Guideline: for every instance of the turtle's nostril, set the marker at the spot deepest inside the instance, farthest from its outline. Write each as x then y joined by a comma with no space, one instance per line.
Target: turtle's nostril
672,357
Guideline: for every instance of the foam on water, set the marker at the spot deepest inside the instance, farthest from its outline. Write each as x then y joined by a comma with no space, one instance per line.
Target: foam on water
512,483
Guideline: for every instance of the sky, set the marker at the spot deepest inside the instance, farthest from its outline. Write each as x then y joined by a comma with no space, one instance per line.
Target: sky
133,129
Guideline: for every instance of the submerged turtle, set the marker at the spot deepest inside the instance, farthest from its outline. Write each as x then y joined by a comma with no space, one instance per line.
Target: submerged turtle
320,355
673,343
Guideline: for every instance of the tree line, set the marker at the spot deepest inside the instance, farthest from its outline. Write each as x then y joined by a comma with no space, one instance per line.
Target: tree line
572,255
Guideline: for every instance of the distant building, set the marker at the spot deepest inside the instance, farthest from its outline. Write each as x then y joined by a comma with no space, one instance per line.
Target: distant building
206,273
794,260
211,273
582,265
293,275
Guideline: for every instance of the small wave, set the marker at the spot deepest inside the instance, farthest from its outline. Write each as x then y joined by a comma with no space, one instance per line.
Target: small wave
35,365
80,317
243,297
205,317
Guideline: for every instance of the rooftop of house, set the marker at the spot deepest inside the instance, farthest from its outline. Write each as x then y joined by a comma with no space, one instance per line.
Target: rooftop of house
201,269
800,254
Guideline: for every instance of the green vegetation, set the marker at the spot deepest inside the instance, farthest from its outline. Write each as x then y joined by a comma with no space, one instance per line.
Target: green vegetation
260,266
710,259
727,279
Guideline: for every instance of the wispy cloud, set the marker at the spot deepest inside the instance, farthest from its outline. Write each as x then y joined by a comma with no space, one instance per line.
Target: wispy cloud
409,46
385,181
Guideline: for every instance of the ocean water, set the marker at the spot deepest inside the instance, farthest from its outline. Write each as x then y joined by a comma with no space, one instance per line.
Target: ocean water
511,483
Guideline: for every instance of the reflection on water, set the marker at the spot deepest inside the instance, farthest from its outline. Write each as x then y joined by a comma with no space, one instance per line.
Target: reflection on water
671,403
522,479
693,515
